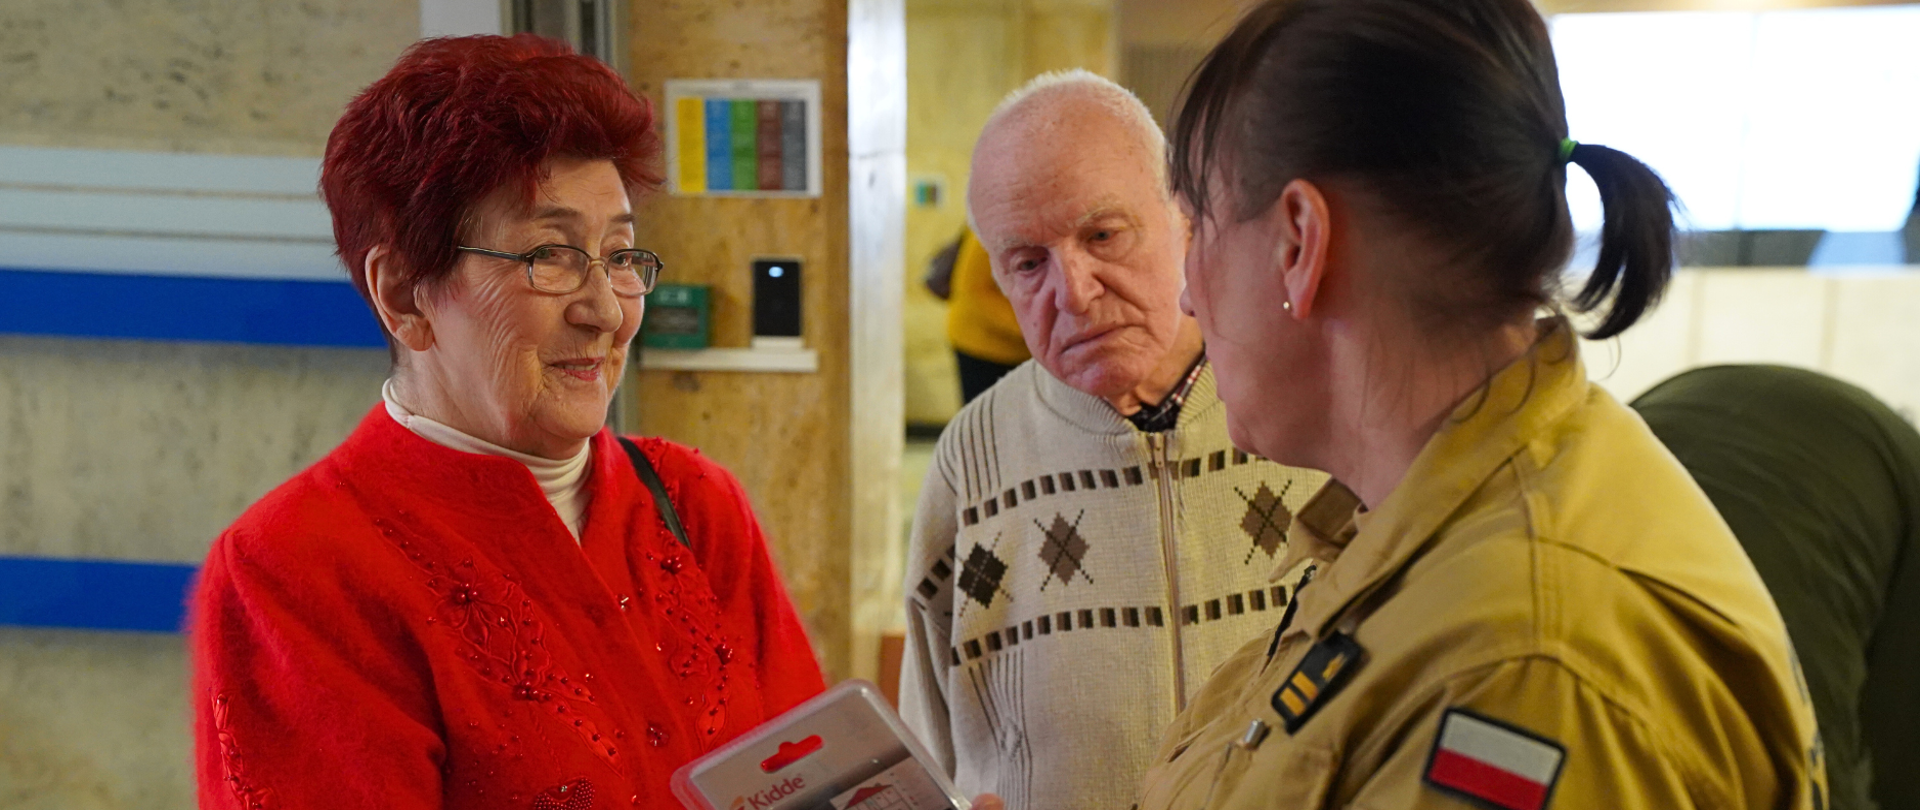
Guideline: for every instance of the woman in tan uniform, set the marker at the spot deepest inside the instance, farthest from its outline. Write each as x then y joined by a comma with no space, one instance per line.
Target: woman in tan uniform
1518,599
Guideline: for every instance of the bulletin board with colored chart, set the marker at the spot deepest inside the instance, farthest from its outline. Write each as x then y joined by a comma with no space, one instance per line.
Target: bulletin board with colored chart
743,138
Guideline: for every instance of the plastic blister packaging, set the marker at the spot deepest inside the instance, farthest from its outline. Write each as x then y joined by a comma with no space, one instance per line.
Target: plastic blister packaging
842,750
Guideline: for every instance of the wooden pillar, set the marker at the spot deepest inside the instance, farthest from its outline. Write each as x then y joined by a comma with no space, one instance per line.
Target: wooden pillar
809,448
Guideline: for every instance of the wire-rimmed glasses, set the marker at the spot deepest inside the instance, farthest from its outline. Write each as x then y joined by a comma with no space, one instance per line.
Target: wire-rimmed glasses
563,269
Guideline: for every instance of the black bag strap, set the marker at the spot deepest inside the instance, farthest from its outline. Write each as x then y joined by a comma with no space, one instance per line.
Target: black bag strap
652,479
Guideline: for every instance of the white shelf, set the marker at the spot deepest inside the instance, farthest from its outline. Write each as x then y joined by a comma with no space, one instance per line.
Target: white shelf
802,361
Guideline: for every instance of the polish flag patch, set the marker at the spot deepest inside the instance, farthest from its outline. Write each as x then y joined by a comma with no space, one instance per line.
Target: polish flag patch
1492,763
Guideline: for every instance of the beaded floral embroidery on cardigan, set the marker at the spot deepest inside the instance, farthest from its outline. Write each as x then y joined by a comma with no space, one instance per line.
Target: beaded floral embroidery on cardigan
234,771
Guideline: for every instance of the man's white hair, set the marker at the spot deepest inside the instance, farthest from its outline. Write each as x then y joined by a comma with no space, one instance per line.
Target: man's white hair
1080,84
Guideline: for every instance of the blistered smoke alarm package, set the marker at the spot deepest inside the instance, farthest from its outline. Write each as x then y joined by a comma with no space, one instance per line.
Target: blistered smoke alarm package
843,750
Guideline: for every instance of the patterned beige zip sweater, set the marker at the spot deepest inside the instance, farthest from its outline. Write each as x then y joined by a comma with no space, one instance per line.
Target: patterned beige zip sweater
1073,580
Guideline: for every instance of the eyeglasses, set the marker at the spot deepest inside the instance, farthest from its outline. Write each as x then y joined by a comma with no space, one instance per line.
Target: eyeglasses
563,269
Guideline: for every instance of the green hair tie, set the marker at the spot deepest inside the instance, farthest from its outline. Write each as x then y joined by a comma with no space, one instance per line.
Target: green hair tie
1566,149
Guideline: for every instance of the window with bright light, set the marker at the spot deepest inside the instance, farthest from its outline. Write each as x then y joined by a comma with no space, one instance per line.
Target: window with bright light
1778,120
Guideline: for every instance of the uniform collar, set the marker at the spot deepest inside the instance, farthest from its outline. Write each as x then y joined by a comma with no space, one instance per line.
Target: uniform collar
1485,430
1322,528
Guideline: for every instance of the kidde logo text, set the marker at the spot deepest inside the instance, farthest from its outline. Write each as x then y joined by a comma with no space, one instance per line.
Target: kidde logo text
767,798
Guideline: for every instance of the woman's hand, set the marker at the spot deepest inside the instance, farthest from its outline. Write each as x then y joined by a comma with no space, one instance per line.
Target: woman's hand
988,801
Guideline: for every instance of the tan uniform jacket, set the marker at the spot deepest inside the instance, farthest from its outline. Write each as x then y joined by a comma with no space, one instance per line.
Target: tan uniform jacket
1547,586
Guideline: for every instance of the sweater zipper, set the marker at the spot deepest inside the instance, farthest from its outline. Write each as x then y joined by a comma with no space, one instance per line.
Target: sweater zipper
1157,445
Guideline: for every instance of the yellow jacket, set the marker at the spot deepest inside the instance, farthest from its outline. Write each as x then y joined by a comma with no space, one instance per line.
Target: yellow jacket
980,321
1546,610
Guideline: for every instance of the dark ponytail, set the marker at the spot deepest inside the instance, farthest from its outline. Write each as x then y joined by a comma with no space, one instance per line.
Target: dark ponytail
1636,241
1449,113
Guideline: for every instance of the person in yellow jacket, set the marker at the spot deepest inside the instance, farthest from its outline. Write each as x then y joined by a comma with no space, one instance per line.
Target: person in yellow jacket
980,322
1544,612
1515,598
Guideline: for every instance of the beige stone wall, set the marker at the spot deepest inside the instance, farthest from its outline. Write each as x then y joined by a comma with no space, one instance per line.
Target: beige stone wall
963,56
191,75
134,450
93,721
145,450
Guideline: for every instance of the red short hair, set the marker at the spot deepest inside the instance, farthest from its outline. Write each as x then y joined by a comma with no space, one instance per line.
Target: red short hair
454,120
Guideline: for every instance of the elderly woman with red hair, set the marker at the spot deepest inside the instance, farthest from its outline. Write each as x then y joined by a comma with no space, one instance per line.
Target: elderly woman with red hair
483,597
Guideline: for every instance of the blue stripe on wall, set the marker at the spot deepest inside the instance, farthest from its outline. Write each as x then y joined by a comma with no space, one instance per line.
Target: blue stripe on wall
113,305
94,594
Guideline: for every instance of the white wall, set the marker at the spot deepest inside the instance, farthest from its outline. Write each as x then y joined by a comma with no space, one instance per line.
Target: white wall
1862,327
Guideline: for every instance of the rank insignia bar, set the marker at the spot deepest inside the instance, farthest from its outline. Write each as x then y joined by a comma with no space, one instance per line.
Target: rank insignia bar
1321,674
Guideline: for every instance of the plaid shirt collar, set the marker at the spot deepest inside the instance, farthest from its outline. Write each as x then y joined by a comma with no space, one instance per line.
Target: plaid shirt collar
1163,416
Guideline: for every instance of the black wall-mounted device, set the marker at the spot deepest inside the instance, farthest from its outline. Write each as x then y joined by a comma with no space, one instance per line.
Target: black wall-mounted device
776,297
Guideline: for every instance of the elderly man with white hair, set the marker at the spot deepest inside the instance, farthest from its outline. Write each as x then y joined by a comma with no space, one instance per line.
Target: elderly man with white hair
1089,543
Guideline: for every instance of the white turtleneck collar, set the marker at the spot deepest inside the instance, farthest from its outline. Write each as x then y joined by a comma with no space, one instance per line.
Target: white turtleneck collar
563,481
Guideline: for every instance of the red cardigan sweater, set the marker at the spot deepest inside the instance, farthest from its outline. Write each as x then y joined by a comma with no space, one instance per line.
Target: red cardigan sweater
406,626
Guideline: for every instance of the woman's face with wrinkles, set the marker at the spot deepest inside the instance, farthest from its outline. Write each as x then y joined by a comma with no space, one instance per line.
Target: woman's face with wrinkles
535,371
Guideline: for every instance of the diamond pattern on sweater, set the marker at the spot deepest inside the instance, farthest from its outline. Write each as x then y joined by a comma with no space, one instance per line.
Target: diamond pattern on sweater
980,576
1063,550
1266,519
1067,621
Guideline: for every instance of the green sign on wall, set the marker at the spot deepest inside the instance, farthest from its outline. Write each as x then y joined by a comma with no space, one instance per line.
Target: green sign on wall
677,317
